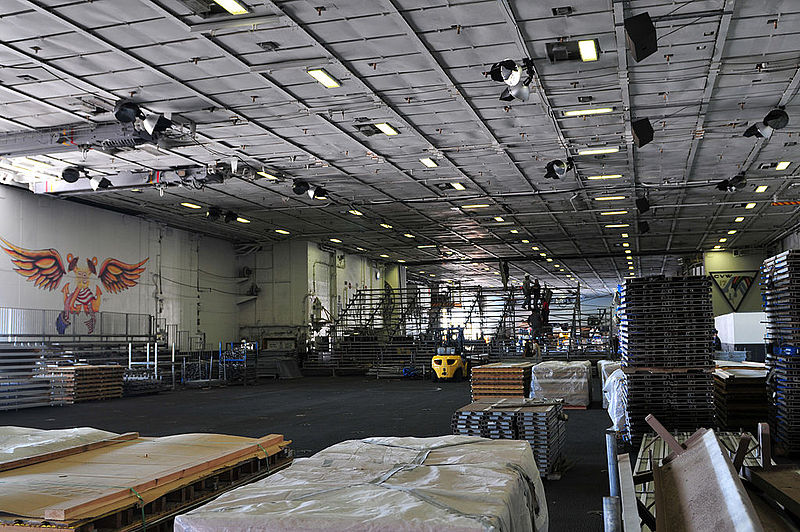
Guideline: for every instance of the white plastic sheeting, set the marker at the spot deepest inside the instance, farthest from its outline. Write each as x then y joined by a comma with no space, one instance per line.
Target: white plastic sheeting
443,484
614,392
604,369
22,442
570,381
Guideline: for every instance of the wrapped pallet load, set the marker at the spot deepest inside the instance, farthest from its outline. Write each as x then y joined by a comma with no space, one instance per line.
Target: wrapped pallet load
445,484
570,381
604,369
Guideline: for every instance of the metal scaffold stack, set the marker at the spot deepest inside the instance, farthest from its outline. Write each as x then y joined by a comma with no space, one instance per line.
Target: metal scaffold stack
780,282
666,332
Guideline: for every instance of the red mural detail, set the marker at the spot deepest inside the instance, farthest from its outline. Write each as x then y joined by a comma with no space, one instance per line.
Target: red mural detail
45,269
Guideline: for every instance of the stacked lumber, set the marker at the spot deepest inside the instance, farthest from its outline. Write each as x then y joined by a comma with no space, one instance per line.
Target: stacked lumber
501,379
541,423
666,338
141,382
780,284
447,484
740,398
96,481
569,381
73,384
20,385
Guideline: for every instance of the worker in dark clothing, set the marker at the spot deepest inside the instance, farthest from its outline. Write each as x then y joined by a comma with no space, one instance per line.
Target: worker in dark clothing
536,293
526,291
504,274
717,341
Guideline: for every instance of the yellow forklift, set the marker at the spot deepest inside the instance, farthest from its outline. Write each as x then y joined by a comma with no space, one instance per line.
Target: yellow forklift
449,362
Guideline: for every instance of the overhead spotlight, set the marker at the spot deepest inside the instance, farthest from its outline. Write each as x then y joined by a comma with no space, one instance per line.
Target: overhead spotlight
733,184
98,182
643,204
230,216
506,71
212,177
213,214
640,34
156,123
557,168
775,119
300,187
585,50
71,174
642,132
318,193
643,227
126,111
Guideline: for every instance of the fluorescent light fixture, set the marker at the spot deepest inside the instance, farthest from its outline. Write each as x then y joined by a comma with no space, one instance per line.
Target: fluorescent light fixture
190,205
626,245
762,188
432,274
609,176
476,206
422,271
588,50
723,240
542,254
282,231
430,163
535,248
514,231
624,235
612,226
356,212
384,255
609,198
732,232
717,247
335,240
136,190
526,241
232,6
426,246
386,129
400,260
360,248
262,173
783,165
458,186
408,235
549,259
627,251
750,206
738,219
242,220
631,268
386,226
556,266
598,151
499,219
613,213
585,112
322,76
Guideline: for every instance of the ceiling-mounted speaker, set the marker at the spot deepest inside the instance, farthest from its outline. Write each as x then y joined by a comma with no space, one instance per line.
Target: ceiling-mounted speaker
642,132
640,34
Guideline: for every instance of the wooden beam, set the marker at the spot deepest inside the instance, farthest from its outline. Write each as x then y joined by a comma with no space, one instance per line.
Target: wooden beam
44,457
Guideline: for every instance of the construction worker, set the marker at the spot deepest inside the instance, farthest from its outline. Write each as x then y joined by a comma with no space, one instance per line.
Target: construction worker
536,293
526,291
504,274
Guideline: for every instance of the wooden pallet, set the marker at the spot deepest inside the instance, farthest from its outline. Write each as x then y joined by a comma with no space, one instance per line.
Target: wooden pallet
128,483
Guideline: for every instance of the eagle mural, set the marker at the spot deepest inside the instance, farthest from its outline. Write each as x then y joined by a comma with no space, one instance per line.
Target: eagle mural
45,269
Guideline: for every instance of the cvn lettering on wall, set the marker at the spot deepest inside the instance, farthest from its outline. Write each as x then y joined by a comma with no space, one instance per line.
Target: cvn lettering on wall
45,269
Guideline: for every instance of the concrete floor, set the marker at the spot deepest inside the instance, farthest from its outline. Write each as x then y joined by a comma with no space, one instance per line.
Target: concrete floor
316,412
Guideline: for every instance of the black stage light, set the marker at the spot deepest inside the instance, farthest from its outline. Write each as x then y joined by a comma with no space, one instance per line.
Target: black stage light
643,204
318,193
503,72
71,174
640,34
557,168
214,214
776,119
300,187
156,123
126,111
643,227
642,132
230,216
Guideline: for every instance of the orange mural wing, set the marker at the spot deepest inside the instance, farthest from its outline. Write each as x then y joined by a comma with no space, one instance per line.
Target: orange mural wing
43,267
117,276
